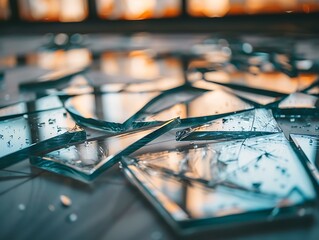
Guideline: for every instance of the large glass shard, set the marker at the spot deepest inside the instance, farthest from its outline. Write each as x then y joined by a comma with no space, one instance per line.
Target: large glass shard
41,104
273,83
34,133
85,161
53,78
309,146
254,97
191,105
248,96
107,111
200,185
104,81
9,87
257,122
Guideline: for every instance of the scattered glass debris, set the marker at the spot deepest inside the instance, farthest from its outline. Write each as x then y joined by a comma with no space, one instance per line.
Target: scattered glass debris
23,136
65,200
226,161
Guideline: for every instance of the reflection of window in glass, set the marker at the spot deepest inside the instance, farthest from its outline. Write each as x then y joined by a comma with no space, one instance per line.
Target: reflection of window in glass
73,58
136,64
4,9
219,8
53,10
137,10
8,61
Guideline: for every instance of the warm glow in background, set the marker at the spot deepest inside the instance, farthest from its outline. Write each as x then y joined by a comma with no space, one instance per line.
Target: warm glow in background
77,10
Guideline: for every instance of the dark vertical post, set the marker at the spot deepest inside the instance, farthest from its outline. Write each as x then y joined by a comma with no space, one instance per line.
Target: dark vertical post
184,9
92,10
14,8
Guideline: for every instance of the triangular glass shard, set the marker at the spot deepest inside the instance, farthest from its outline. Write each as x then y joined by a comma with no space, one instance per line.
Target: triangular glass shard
160,84
34,133
86,160
41,104
75,85
191,105
273,84
257,122
53,78
130,84
309,146
299,100
9,87
107,111
314,91
197,186
252,97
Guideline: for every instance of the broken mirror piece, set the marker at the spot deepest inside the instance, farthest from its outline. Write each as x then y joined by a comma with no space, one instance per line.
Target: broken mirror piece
257,122
107,111
37,132
191,105
309,147
86,160
41,104
208,185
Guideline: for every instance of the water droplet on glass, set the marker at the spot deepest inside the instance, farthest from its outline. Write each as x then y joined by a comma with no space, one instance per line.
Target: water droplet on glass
51,208
301,212
73,217
21,207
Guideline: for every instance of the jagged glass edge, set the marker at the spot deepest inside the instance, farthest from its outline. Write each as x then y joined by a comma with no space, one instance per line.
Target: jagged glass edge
59,168
191,134
193,226
131,122
5,117
244,88
71,136
36,83
184,121
295,111
312,169
219,135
